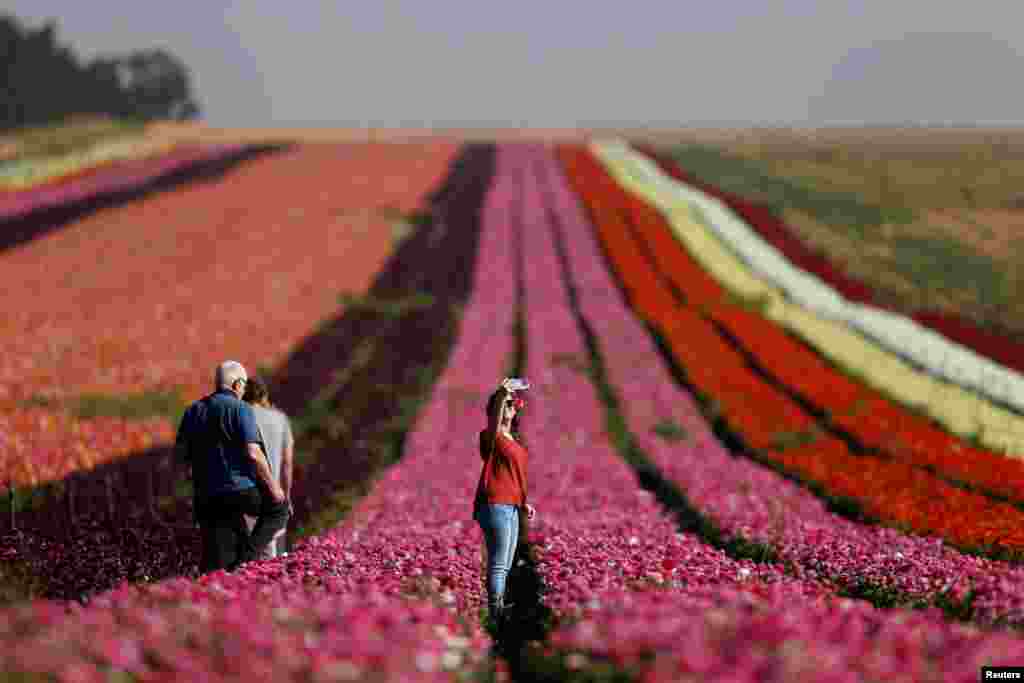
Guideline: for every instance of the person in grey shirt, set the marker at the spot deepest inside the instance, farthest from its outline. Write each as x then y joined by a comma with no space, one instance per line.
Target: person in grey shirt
279,444
219,439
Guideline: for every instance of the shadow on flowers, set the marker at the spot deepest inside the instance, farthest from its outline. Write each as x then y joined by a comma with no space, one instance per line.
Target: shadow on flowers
353,389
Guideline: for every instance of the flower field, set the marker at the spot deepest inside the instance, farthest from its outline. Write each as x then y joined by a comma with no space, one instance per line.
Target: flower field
151,272
773,424
895,333
996,346
657,554
749,502
891,352
378,594
851,405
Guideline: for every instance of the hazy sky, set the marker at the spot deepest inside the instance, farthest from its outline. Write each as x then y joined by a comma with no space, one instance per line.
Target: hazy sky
568,62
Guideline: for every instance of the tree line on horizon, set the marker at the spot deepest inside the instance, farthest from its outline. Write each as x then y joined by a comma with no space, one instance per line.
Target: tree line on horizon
43,82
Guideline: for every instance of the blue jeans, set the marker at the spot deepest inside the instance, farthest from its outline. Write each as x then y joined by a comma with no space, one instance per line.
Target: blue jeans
500,524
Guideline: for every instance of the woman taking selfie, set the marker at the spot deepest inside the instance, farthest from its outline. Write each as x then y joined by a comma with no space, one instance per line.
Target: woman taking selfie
501,492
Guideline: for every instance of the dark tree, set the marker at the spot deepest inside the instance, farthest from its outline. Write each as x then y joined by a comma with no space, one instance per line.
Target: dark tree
156,85
43,82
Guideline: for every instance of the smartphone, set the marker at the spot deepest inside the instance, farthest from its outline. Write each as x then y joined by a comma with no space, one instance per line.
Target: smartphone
516,384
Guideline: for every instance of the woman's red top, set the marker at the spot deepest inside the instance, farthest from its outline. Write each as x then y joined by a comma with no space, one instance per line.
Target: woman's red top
503,479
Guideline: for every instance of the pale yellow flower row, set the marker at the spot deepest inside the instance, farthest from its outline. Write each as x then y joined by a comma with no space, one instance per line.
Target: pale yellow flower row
20,175
960,411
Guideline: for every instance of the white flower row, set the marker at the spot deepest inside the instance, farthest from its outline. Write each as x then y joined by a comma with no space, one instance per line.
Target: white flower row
889,350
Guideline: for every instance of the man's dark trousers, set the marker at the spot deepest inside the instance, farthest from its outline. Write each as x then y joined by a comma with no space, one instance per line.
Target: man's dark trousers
226,539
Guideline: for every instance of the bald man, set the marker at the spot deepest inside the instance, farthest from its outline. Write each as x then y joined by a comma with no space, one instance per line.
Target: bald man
219,439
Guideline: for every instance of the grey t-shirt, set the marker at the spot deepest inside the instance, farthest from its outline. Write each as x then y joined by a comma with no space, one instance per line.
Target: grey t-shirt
276,432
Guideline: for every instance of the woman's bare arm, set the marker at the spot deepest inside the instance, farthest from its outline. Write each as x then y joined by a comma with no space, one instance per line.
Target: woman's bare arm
263,473
287,458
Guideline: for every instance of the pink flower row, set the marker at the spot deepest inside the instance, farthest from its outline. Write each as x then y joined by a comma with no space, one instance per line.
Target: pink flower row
647,395
765,636
206,631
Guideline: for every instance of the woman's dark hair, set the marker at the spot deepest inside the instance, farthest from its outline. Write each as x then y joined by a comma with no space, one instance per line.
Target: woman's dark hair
256,390
493,408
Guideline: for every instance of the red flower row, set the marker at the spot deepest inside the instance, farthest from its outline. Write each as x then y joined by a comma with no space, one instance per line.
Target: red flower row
874,421
766,418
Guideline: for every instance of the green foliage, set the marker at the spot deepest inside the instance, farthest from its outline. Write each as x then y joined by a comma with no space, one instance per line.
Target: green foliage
752,180
756,304
419,219
957,610
394,307
127,406
18,584
744,549
184,489
25,677
65,137
575,667
40,401
130,407
334,509
784,440
670,431
313,418
401,231
34,498
939,262
844,506
890,597
881,596
264,371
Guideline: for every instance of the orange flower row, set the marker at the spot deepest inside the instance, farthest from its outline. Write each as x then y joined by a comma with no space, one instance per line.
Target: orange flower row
898,492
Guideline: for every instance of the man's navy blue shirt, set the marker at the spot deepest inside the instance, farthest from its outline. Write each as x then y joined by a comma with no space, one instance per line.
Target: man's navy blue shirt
214,434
